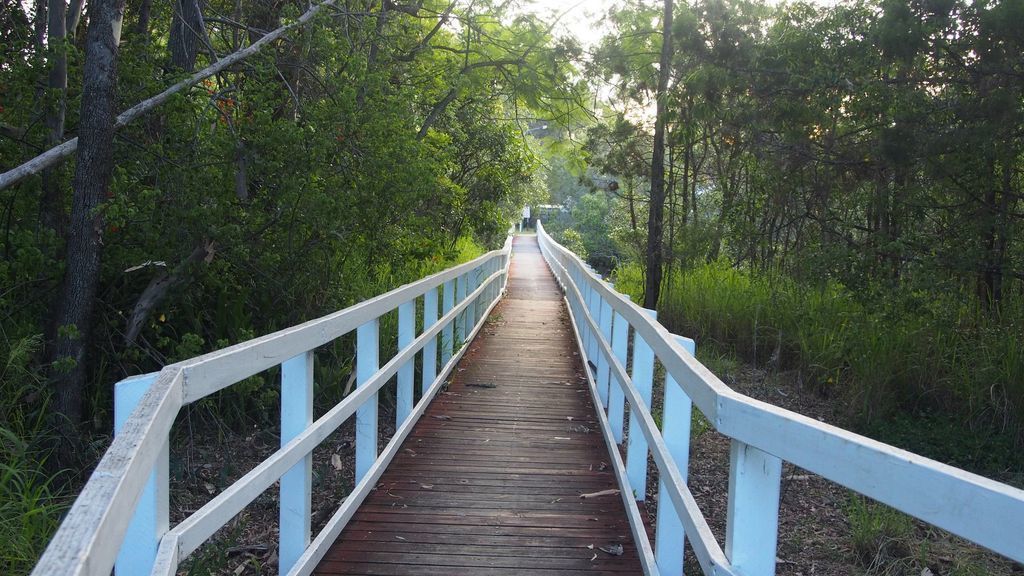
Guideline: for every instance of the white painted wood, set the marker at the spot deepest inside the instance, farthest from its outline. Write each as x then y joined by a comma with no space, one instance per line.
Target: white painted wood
295,492
87,541
705,547
448,334
971,506
429,368
149,521
676,419
91,534
460,320
406,374
616,407
167,556
636,523
752,524
198,527
602,362
211,372
643,380
367,363
318,549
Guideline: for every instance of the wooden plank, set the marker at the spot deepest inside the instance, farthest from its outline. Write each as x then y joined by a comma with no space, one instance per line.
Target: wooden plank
488,482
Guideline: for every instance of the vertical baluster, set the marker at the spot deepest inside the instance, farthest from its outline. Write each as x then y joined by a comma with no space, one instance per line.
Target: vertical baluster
460,318
602,360
367,363
595,312
620,345
149,521
752,522
406,373
472,282
429,371
643,378
297,483
675,429
447,336
584,304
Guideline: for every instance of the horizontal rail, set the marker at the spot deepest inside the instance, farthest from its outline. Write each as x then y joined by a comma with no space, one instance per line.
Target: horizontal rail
986,512
94,529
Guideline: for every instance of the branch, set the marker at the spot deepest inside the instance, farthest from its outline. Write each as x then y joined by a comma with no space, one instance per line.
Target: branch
161,285
62,151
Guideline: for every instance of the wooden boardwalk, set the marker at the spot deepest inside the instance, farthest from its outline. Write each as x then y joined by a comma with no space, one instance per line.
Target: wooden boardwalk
489,481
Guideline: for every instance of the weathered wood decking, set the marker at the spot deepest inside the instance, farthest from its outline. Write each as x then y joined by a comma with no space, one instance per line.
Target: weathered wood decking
489,481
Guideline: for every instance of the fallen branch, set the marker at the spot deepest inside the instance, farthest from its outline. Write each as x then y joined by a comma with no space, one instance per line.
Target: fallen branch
65,149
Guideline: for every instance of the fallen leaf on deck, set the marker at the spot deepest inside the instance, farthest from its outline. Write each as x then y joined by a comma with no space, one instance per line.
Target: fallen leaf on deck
442,417
609,492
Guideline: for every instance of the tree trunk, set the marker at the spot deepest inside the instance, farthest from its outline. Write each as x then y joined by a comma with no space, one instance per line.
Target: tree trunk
93,172
655,216
51,203
187,32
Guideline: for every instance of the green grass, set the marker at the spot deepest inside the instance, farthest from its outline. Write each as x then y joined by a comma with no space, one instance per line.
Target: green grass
923,356
882,538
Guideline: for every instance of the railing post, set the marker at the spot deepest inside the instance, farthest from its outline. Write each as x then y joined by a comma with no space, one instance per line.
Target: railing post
447,335
676,414
149,521
460,318
602,360
752,522
406,334
367,363
429,371
616,400
643,378
297,483
469,316
594,308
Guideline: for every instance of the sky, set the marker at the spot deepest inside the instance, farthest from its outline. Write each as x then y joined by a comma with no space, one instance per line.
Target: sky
581,16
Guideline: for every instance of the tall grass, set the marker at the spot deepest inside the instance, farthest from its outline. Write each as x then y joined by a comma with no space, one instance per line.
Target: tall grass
912,353
30,508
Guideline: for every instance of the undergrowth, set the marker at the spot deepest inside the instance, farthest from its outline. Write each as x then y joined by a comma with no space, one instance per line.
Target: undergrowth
922,358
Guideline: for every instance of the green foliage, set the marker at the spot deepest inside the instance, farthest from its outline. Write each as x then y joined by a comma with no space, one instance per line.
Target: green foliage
912,357
880,535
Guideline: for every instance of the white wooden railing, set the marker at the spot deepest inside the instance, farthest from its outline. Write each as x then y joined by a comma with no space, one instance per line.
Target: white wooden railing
981,510
122,512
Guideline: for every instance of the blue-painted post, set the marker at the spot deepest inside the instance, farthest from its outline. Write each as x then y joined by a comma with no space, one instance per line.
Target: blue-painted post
616,400
149,521
367,363
602,360
595,313
676,414
460,319
407,372
752,521
297,483
429,371
643,379
469,317
447,335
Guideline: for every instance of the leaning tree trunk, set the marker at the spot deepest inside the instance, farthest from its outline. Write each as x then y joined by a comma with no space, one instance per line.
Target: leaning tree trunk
656,214
93,171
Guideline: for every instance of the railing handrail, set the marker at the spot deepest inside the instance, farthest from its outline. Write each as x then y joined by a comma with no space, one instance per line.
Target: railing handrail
88,540
979,509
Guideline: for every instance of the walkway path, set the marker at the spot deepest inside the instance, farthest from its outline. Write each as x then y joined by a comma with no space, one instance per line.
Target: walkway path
489,481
